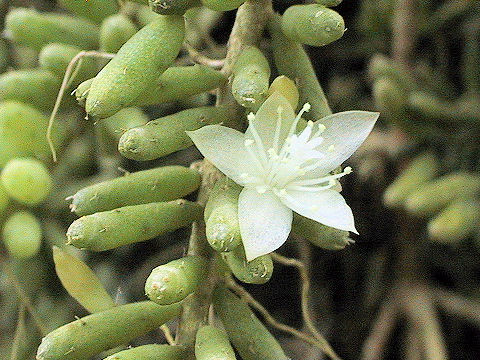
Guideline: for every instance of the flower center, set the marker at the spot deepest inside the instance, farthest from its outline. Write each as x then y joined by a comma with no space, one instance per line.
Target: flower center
282,168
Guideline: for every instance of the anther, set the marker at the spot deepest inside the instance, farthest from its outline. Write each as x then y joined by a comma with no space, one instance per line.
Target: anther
347,170
271,152
307,107
261,189
251,116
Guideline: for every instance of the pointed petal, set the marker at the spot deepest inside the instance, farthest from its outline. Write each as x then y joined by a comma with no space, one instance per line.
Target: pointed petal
346,131
265,121
327,207
264,222
225,148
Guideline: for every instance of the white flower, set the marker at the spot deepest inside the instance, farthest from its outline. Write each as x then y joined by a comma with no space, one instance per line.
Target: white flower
282,171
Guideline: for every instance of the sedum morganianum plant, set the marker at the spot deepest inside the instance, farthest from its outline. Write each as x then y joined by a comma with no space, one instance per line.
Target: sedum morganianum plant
284,170
283,163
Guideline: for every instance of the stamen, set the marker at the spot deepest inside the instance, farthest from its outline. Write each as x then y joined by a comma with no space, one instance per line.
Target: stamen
310,188
249,179
311,167
257,138
280,193
253,155
324,179
321,129
306,133
278,127
306,107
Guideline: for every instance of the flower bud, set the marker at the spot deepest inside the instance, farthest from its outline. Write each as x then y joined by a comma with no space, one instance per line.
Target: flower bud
287,88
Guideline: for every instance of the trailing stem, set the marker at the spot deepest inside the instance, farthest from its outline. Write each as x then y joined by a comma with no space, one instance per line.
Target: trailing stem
247,30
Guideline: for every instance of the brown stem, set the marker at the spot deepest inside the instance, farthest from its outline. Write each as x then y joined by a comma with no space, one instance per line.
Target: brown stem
247,30
374,346
458,305
419,309
404,31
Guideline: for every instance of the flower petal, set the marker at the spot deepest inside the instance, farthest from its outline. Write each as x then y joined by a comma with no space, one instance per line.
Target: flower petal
346,131
327,207
264,222
225,148
265,122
